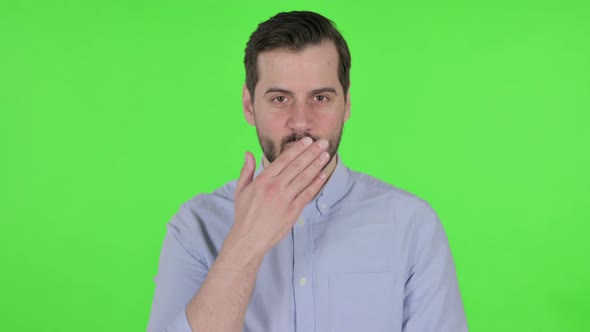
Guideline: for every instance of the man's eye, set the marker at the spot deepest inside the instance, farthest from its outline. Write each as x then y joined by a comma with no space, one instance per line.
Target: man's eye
280,99
321,98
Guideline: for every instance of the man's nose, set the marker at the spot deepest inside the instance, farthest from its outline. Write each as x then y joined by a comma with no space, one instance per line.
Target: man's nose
301,119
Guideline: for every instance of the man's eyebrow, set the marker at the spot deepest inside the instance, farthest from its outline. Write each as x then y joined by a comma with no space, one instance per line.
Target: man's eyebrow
311,93
272,89
323,90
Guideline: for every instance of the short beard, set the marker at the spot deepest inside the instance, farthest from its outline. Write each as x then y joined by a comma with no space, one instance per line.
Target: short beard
269,150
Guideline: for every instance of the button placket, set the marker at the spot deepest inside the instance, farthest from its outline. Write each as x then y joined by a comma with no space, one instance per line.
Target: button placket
302,282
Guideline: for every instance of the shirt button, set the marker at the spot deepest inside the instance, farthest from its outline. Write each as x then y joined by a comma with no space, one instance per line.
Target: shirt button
300,222
302,281
323,207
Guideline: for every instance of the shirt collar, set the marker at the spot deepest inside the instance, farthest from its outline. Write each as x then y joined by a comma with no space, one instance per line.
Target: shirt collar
334,190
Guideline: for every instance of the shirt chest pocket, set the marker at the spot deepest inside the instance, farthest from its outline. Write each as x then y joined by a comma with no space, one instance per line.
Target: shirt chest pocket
366,301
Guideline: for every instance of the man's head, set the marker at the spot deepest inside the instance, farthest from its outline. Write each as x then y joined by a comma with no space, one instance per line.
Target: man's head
295,31
297,80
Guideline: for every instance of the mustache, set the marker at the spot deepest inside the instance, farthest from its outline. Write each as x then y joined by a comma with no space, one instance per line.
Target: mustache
295,137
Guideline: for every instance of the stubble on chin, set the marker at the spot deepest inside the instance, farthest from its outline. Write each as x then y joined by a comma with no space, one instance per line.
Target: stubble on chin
269,148
271,153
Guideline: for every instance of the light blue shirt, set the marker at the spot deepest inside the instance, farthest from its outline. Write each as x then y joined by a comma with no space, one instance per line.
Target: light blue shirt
363,256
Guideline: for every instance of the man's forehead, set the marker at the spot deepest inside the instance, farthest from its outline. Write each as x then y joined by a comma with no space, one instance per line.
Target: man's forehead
315,65
327,47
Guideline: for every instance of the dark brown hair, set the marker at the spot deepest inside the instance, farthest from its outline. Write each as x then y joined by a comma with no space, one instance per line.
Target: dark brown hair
295,31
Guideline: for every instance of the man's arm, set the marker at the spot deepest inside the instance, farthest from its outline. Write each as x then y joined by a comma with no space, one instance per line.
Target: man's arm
265,210
181,272
432,298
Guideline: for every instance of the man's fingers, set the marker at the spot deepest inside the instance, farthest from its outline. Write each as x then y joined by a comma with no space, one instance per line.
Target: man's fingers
285,158
304,178
247,173
300,164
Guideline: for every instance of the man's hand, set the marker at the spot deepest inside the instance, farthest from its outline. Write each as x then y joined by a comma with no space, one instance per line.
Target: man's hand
267,207
265,210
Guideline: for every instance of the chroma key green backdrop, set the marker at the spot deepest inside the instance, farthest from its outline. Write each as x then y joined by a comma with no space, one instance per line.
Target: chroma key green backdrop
114,113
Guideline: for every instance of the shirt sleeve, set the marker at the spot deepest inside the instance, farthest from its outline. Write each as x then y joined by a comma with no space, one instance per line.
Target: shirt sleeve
432,299
181,273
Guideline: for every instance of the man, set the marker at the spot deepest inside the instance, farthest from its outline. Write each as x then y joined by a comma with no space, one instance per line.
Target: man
303,243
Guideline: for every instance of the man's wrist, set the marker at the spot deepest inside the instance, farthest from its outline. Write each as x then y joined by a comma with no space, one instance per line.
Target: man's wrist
240,255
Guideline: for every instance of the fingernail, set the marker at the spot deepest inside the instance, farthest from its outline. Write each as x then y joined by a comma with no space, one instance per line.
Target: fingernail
307,141
323,143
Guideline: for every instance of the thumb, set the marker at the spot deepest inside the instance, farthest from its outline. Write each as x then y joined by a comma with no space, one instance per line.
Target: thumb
247,173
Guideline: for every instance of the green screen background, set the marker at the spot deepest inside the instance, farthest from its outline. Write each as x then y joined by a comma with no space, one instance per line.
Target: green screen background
114,113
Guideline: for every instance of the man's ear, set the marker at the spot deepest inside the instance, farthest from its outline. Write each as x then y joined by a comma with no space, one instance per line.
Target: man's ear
347,105
247,105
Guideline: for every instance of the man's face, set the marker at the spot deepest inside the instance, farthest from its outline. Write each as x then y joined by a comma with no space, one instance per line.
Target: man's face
297,95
